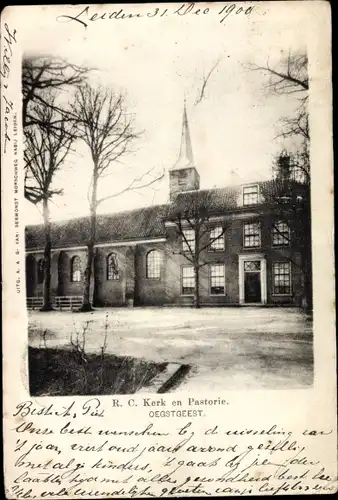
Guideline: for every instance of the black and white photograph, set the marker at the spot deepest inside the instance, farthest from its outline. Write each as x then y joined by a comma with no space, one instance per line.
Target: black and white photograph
168,214
168,257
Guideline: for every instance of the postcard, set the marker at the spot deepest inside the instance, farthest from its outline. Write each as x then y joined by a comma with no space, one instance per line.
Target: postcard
168,258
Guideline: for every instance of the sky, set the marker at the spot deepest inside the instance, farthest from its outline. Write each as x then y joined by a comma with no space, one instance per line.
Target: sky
159,62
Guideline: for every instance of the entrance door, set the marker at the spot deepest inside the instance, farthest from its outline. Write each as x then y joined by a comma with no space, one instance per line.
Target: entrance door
252,287
252,279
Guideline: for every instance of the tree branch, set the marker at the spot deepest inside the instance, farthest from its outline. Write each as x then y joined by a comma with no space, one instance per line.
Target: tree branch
205,81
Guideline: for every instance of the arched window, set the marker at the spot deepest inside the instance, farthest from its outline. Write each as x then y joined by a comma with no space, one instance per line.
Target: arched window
75,269
112,267
41,271
154,264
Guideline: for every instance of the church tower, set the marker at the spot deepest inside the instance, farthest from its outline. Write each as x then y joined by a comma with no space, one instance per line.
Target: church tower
184,176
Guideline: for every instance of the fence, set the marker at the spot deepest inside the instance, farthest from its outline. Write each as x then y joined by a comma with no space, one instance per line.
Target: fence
34,302
67,302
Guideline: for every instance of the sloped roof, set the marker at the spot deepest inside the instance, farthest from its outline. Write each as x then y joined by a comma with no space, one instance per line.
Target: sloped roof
144,223
123,226
220,201
215,201
130,225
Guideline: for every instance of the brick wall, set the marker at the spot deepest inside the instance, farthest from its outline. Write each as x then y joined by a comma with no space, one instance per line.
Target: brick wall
133,280
151,291
110,292
175,262
234,246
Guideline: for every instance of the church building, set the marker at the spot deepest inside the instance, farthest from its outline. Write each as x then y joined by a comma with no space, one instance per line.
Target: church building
145,257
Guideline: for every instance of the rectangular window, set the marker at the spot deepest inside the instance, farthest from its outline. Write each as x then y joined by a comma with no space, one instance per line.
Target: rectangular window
250,195
217,239
281,278
188,280
280,234
252,234
188,240
217,279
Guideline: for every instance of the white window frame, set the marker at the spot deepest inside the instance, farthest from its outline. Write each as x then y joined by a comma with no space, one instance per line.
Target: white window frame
243,194
160,264
275,232
241,275
273,280
72,280
181,281
210,278
185,247
260,234
216,241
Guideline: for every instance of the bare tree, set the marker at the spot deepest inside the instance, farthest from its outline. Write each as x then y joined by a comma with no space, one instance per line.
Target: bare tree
46,149
290,77
205,80
287,200
108,131
288,194
41,76
192,217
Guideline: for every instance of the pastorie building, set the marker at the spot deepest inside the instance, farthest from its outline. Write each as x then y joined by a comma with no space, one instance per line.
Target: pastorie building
141,255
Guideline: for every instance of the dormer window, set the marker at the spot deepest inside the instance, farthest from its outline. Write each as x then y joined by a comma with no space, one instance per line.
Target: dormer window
250,194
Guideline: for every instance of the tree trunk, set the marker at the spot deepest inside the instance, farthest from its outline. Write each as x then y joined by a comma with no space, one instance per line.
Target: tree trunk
47,302
96,264
86,306
197,304
196,259
136,279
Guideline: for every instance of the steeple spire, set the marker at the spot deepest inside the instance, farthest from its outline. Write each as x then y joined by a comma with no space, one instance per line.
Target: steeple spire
186,158
184,176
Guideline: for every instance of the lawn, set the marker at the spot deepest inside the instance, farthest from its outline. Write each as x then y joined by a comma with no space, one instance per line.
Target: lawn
227,348
64,372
